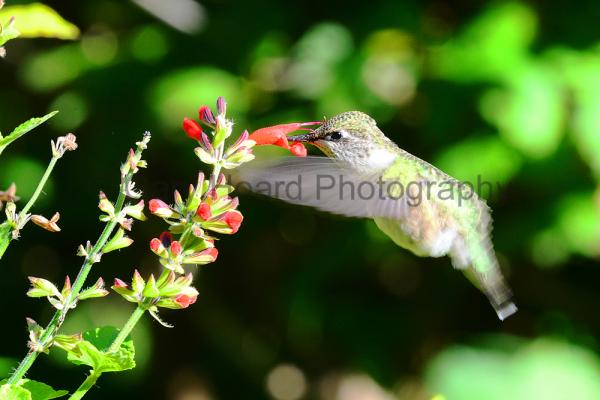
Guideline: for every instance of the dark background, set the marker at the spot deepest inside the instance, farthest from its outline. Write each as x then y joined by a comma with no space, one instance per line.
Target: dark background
507,91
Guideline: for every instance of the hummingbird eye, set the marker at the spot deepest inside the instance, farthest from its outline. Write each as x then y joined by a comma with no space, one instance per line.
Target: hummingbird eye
335,136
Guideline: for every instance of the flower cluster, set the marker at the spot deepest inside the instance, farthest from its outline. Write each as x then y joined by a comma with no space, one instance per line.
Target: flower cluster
208,209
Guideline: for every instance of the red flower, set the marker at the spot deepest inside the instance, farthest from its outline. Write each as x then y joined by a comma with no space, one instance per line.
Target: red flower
298,149
233,219
204,211
277,136
176,248
192,128
185,301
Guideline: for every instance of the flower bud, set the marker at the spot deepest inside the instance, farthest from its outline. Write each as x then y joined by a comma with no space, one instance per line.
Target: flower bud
151,290
119,241
221,106
203,257
42,288
136,211
95,291
175,248
105,205
137,283
234,219
192,128
157,247
206,115
204,212
161,209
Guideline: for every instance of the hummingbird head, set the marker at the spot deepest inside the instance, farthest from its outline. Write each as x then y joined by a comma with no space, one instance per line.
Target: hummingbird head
352,137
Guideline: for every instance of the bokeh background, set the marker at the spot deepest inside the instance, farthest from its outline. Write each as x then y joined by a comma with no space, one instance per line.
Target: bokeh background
303,305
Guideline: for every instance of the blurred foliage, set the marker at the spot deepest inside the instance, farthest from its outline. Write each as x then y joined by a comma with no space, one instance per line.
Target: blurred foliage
305,305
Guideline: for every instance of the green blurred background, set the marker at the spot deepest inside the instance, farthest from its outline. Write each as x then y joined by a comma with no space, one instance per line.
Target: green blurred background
302,304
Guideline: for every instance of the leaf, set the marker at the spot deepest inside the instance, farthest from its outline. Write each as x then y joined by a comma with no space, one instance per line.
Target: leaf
14,392
39,20
23,129
92,351
29,389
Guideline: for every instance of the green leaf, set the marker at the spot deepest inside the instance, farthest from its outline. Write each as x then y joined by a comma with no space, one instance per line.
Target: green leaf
23,129
39,20
30,389
92,351
14,392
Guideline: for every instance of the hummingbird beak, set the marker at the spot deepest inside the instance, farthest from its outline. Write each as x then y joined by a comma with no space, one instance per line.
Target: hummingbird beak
307,137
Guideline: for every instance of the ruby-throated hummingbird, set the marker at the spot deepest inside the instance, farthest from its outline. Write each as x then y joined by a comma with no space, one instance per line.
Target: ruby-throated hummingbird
419,207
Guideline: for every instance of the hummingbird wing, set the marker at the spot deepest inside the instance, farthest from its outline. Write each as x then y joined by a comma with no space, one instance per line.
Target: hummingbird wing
326,184
430,227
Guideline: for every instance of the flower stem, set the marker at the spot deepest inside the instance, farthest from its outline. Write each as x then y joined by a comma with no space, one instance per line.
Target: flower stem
40,185
127,328
5,228
55,323
89,382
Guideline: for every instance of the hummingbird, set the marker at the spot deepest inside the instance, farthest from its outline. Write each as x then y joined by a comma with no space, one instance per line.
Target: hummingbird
420,208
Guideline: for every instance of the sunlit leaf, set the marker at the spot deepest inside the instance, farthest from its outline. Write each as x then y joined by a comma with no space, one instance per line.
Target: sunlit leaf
48,70
541,369
579,223
14,392
179,93
490,48
529,111
490,163
39,20
93,351
33,389
23,129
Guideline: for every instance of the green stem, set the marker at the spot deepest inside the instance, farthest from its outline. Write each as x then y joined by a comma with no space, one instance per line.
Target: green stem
5,228
40,185
127,328
59,316
89,382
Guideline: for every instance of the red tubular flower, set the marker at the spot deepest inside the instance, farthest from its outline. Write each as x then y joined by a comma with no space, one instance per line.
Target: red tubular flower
156,245
192,128
161,209
185,301
204,211
298,149
203,257
277,136
233,219
176,248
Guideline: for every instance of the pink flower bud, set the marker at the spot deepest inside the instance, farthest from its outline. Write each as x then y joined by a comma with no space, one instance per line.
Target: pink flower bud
206,115
157,246
221,105
176,248
203,257
119,284
204,211
185,301
233,219
160,208
192,128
